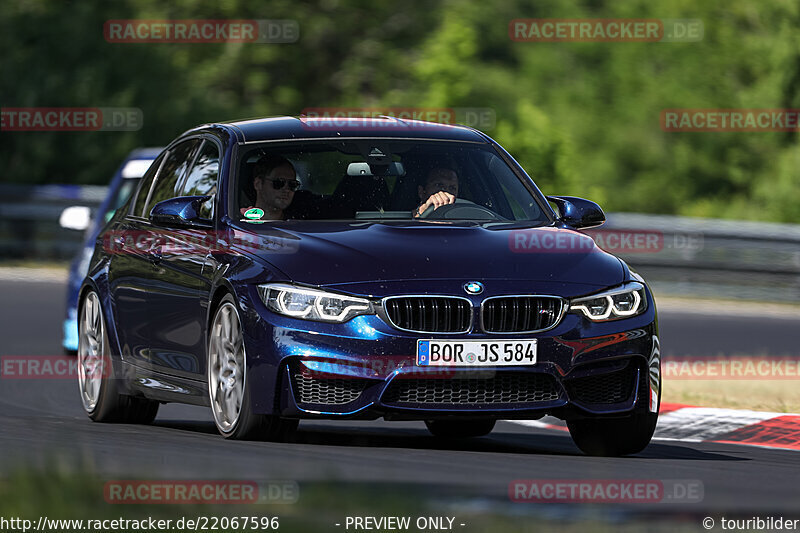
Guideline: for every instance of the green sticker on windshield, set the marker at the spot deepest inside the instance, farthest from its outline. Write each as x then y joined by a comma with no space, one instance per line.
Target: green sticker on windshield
254,213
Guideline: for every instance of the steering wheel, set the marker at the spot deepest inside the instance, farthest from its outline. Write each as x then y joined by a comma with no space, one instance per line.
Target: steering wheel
461,209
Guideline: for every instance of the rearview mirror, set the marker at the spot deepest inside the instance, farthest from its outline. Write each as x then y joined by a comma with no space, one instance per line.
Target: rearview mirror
180,211
577,212
367,169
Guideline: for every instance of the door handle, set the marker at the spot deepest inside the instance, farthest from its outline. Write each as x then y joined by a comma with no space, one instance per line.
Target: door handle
155,254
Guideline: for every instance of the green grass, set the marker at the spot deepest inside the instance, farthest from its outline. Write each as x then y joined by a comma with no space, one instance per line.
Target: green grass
778,396
33,263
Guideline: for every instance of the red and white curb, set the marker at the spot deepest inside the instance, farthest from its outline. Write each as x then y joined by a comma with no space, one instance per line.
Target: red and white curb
707,424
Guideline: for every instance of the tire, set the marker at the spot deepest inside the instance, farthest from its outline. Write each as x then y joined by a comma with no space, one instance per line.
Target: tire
99,388
226,373
613,437
459,429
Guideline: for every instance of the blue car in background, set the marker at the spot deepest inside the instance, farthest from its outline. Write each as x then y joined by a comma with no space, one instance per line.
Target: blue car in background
123,183
291,268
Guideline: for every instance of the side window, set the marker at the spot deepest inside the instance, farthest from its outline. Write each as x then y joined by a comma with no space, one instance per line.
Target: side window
202,179
144,189
169,179
512,195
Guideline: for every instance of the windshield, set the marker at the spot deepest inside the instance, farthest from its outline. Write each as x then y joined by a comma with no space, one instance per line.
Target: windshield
366,179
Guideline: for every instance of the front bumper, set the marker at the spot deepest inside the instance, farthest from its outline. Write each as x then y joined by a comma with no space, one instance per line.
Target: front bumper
367,369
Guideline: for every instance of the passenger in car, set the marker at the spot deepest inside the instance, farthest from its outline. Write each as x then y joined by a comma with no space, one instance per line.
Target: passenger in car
440,188
274,181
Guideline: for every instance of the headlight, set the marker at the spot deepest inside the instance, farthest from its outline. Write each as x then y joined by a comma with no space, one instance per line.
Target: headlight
312,304
622,302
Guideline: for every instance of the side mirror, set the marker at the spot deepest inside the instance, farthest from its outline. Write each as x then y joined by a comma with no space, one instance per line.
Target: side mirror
180,211
77,217
577,212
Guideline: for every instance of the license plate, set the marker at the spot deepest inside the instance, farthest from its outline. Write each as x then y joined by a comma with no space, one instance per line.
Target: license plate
475,353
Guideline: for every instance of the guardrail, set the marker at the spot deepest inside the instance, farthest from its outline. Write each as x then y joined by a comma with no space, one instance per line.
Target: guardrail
677,255
715,258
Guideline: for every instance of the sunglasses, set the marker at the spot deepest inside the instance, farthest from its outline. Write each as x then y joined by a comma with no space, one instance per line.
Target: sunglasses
278,184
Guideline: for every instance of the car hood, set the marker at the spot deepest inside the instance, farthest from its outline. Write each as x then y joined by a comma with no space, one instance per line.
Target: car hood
333,253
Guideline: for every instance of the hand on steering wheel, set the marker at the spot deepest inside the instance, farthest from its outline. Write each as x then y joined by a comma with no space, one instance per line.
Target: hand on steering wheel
436,201
461,208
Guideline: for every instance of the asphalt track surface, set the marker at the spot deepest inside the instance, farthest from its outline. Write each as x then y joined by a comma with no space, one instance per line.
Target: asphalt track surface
43,424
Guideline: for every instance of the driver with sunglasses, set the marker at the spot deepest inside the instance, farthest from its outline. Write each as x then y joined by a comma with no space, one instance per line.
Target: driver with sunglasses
274,180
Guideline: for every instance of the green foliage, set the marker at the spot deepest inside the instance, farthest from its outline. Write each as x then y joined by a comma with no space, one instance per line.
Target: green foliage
583,118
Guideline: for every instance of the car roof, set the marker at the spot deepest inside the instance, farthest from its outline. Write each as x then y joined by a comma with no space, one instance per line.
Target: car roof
144,153
136,163
288,128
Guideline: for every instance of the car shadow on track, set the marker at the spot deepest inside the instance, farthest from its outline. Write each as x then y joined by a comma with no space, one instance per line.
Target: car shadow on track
194,426
683,451
501,442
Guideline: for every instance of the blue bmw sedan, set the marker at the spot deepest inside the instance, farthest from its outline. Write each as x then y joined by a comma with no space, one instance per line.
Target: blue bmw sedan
291,268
